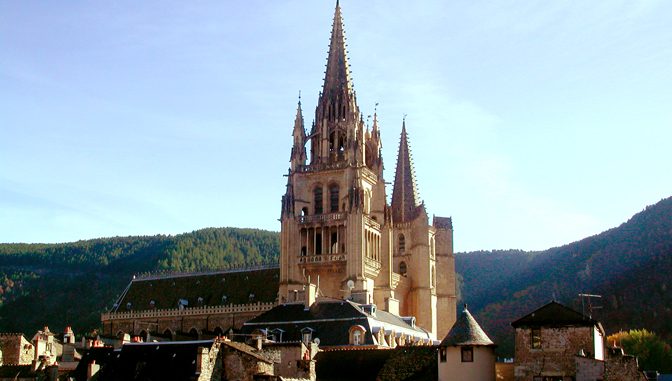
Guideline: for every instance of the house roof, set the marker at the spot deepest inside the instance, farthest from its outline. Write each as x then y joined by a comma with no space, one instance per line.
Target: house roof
330,321
200,289
466,332
16,371
154,361
556,315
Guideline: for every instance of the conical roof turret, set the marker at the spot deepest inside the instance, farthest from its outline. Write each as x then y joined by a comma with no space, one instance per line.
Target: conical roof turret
466,332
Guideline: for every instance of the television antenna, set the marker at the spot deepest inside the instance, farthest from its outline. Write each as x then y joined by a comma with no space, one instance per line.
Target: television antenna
586,301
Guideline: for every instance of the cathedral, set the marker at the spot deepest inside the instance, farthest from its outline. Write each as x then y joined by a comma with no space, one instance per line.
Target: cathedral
343,248
339,235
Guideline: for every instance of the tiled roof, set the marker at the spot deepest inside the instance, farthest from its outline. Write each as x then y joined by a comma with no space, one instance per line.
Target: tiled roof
154,361
200,289
556,315
244,348
466,331
16,371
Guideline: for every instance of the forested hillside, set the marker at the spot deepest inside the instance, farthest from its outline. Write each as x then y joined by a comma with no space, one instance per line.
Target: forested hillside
627,265
59,284
72,283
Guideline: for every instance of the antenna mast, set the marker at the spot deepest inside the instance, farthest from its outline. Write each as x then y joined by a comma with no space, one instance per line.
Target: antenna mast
590,304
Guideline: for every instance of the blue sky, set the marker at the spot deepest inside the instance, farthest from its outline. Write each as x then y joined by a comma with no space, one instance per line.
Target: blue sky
532,123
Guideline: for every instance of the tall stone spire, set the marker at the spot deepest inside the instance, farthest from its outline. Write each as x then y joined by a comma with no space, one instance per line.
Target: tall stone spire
338,133
337,76
405,199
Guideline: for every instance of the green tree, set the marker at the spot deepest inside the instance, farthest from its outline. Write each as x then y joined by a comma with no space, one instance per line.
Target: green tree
652,351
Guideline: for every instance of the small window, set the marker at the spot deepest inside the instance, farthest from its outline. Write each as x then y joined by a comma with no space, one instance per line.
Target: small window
225,299
402,244
535,338
467,354
129,305
403,269
442,354
356,333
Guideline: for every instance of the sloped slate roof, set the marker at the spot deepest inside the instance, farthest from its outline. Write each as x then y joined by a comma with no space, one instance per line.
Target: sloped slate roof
466,331
154,361
554,314
330,321
166,291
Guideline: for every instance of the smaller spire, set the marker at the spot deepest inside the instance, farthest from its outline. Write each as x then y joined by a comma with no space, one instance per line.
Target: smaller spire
405,199
298,156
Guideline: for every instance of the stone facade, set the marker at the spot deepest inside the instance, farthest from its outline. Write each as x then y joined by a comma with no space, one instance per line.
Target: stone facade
192,321
338,231
555,356
16,350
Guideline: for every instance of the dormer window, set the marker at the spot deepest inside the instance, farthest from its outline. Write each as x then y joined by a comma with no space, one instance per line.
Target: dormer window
251,297
200,301
129,305
225,299
357,333
307,335
152,304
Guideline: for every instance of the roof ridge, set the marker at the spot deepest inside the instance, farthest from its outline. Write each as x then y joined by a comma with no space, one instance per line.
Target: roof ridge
183,274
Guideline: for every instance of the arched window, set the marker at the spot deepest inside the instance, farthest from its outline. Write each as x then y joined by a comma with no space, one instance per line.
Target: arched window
318,200
402,244
333,198
357,335
403,269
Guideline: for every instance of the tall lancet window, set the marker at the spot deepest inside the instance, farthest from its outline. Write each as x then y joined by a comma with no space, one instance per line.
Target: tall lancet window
318,199
333,198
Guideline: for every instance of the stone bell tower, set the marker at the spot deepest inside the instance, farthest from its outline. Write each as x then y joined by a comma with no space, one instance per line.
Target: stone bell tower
338,234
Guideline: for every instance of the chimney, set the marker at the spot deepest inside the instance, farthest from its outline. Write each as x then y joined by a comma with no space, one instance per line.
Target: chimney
92,369
310,296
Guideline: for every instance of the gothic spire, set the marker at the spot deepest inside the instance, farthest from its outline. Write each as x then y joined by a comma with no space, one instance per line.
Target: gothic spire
298,156
405,199
337,76
338,133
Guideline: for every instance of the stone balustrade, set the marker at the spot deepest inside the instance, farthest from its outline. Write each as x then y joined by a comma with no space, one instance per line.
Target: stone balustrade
328,217
193,311
322,258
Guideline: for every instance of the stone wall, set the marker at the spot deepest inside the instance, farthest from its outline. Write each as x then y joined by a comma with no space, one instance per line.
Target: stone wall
16,350
622,367
556,356
588,369
243,368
